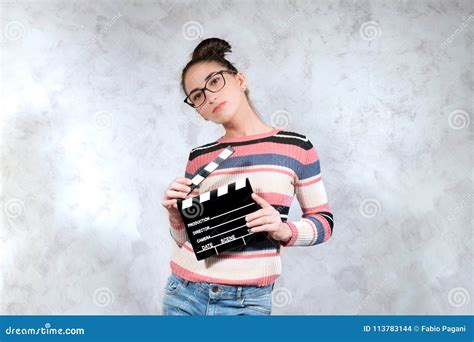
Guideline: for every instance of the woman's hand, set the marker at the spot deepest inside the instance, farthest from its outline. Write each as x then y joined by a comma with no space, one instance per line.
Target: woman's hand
268,219
178,188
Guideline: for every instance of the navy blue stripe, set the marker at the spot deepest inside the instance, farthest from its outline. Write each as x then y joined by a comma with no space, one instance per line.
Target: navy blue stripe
319,227
305,145
302,171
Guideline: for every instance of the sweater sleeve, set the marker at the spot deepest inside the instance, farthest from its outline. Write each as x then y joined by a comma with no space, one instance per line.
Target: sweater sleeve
316,223
177,228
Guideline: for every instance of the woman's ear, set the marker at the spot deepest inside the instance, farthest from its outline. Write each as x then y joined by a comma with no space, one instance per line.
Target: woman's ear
242,81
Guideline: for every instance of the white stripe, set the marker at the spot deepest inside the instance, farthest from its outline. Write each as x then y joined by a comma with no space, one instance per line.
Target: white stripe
226,153
187,203
223,243
290,136
205,147
205,197
197,179
211,166
240,183
222,190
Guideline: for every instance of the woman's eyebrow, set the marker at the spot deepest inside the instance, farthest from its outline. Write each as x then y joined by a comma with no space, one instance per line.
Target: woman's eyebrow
207,77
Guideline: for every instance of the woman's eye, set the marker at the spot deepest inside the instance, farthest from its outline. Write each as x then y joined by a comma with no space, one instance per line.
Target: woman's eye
196,97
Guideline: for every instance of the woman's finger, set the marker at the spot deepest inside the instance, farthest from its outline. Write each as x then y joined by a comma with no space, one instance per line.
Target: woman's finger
168,203
260,201
179,187
175,194
255,215
258,221
263,228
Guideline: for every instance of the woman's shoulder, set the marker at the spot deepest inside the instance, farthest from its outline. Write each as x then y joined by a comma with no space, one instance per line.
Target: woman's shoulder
202,149
294,138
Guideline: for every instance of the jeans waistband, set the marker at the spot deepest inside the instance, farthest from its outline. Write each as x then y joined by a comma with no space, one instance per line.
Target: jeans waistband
223,287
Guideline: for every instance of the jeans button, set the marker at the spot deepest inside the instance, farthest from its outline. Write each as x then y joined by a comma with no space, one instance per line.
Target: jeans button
214,289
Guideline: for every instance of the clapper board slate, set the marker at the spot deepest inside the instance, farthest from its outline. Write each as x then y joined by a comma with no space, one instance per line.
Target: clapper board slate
215,220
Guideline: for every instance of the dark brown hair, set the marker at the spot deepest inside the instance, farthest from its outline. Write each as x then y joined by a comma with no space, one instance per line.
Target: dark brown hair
212,50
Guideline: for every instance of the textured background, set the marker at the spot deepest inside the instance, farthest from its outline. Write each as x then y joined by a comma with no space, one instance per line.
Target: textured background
94,128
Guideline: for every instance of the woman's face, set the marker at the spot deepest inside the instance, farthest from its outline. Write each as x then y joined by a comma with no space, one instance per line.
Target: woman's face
232,93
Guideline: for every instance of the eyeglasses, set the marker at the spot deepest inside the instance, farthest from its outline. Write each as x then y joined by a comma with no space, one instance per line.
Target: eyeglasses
215,83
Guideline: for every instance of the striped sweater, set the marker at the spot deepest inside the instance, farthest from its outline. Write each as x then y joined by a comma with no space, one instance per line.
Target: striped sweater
279,164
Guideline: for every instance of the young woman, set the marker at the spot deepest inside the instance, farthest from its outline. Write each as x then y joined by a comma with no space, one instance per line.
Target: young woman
278,163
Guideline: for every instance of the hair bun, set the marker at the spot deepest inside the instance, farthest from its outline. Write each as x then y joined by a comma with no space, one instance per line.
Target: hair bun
211,47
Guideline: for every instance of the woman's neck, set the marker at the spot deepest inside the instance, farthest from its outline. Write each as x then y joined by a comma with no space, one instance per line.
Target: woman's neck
246,123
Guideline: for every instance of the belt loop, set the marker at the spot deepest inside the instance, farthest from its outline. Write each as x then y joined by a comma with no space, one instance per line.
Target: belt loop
239,292
273,285
185,282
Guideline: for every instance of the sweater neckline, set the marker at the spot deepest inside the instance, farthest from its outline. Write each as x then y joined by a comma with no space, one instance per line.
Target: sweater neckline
250,137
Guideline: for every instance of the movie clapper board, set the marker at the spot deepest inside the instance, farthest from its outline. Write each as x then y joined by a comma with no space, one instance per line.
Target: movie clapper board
215,220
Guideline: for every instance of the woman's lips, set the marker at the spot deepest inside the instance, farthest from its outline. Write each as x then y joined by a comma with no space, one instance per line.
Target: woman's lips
219,106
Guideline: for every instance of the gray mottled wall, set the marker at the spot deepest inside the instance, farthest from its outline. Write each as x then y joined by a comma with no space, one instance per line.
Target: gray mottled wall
93,128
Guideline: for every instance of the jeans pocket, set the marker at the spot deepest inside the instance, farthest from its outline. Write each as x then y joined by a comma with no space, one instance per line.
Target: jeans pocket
261,304
172,285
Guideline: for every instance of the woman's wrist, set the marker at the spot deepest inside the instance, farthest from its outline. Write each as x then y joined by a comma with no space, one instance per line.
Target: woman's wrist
288,233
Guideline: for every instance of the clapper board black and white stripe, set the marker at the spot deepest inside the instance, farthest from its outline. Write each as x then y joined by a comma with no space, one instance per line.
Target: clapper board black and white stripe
215,220
199,177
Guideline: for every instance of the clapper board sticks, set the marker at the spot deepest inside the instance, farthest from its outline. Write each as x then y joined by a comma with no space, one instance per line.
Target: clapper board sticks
200,176
215,220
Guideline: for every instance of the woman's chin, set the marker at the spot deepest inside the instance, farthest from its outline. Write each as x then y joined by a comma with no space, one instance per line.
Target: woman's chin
220,117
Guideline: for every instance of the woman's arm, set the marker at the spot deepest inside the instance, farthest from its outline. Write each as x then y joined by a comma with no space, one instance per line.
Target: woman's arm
176,224
316,223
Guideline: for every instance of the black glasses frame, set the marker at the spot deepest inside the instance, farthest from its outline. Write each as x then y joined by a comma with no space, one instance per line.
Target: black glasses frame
203,89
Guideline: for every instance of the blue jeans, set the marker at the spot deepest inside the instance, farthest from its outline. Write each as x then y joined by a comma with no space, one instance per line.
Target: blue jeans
184,297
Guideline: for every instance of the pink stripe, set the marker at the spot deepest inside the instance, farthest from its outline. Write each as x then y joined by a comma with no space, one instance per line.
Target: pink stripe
192,276
176,225
315,210
291,151
246,255
317,179
276,198
243,255
294,236
262,169
311,156
295,152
